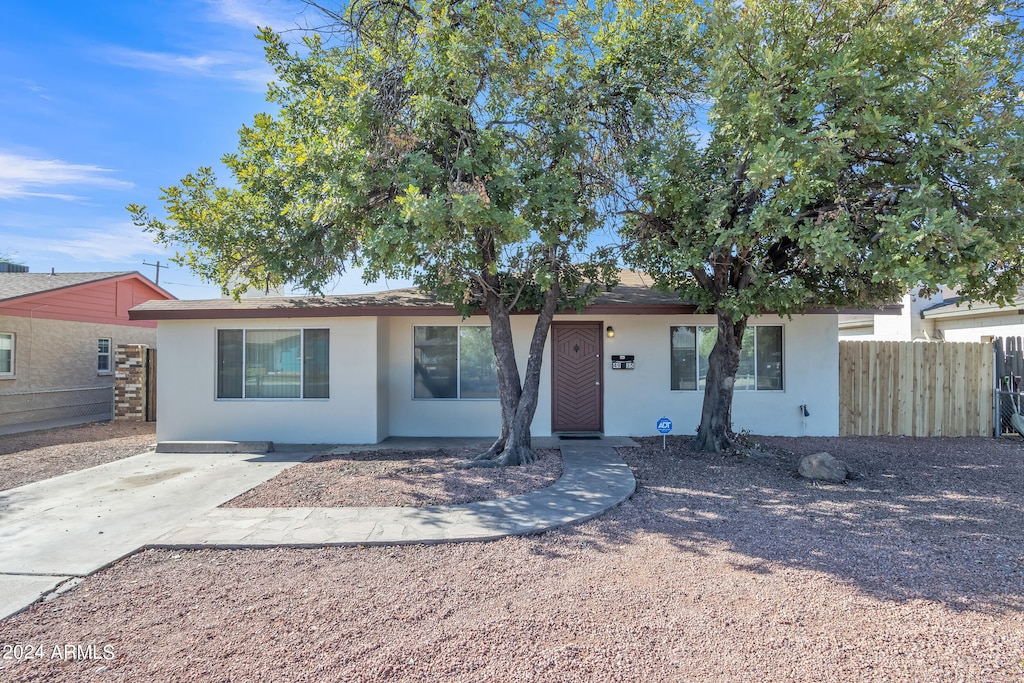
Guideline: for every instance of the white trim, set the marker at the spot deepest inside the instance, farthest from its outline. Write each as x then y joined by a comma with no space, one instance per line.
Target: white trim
109,355
14,356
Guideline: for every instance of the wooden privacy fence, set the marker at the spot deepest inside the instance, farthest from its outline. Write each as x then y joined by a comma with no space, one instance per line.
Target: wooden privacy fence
915,388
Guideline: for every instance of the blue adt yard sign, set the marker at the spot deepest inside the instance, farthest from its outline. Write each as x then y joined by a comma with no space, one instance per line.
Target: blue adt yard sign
664,426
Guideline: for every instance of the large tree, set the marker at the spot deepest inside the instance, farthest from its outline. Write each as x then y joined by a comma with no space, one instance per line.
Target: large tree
783,155
447,141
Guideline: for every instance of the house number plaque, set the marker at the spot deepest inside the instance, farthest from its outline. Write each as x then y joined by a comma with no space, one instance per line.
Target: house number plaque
623,363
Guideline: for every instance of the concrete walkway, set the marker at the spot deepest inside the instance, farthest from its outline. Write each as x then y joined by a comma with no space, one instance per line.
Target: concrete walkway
70,526
53,532
594,479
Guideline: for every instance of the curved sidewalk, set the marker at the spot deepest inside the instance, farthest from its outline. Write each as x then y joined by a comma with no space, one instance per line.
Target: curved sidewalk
594,479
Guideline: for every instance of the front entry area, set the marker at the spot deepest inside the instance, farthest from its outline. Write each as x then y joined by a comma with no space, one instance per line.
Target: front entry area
576,391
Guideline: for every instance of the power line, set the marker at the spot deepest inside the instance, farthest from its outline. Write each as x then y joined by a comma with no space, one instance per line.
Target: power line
158,266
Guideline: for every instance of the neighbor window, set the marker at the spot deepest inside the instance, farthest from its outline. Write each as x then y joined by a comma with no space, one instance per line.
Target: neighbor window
273,363
760,357
103,356
451,361
6,354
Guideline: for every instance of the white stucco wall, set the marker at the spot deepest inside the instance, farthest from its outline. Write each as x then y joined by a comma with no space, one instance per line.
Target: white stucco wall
188,410
383,387
372,384
907,325
976,328
635,399
438,417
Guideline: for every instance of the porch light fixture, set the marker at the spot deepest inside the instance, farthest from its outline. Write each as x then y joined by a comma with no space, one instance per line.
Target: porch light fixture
610,332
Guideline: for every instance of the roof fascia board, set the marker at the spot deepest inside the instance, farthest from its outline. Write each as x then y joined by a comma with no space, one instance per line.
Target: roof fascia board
412,311
975,311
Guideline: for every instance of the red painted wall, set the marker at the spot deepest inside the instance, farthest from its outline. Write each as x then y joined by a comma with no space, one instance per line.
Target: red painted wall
106,302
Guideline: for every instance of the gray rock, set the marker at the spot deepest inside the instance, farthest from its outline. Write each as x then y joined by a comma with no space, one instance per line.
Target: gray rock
823,467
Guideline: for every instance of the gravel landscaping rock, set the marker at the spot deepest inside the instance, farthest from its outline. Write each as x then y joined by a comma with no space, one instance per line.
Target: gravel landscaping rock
822,466
720,568
34,456
395,478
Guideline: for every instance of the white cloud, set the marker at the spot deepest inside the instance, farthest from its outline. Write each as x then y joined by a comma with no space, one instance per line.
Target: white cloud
38,90
118,243
167,62
252,13
22,176
257,77
230,66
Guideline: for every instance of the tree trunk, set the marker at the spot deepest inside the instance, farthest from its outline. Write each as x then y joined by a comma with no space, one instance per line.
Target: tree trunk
518,397
715,432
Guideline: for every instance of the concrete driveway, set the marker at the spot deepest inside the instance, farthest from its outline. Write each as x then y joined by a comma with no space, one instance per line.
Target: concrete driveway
53,531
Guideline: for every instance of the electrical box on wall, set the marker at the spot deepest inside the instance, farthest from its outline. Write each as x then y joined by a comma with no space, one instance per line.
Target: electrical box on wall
623,363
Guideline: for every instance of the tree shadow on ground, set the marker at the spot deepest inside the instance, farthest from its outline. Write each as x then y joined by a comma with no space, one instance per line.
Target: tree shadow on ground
429,477
397,477
930,519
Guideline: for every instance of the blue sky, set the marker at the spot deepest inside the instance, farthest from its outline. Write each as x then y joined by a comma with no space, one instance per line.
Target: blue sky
102,103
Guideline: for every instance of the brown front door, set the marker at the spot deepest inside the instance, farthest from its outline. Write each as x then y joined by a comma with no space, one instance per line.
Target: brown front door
576,392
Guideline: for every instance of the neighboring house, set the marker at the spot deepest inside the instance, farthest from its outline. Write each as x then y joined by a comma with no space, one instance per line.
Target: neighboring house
943,317
58,332
360,368
956,321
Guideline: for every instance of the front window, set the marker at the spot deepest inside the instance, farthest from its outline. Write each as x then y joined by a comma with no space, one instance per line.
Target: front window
451,361
103,356
760,357
273,364
6,354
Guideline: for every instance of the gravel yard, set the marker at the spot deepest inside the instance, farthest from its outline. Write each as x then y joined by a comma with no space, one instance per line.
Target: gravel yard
720,568
33,456
397,478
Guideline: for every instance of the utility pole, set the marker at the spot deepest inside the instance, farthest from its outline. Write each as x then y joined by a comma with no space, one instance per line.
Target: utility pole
158,267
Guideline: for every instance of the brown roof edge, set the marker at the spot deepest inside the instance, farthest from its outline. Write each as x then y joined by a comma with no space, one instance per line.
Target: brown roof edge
371,311
888,309
294,312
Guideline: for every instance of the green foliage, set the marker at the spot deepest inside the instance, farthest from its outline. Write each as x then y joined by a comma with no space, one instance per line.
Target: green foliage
788,154
446,141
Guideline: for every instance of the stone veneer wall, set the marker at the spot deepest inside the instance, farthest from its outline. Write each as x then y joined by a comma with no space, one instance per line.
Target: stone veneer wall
130,381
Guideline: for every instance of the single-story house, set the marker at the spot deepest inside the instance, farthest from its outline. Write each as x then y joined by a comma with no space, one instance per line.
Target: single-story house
942,317
956,321
360,368
58,332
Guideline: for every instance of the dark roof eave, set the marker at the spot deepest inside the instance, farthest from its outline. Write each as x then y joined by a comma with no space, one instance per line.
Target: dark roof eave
289,312
390,311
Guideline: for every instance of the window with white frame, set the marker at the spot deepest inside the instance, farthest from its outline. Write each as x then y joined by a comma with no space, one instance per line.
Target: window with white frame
103,356
453,361
760,357
254,364
6,354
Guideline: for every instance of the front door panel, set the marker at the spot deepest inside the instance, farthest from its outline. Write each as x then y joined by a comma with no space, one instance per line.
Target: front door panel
576,386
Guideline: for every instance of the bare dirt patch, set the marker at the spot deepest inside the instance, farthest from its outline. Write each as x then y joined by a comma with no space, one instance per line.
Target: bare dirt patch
34,456
387,478
720,568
